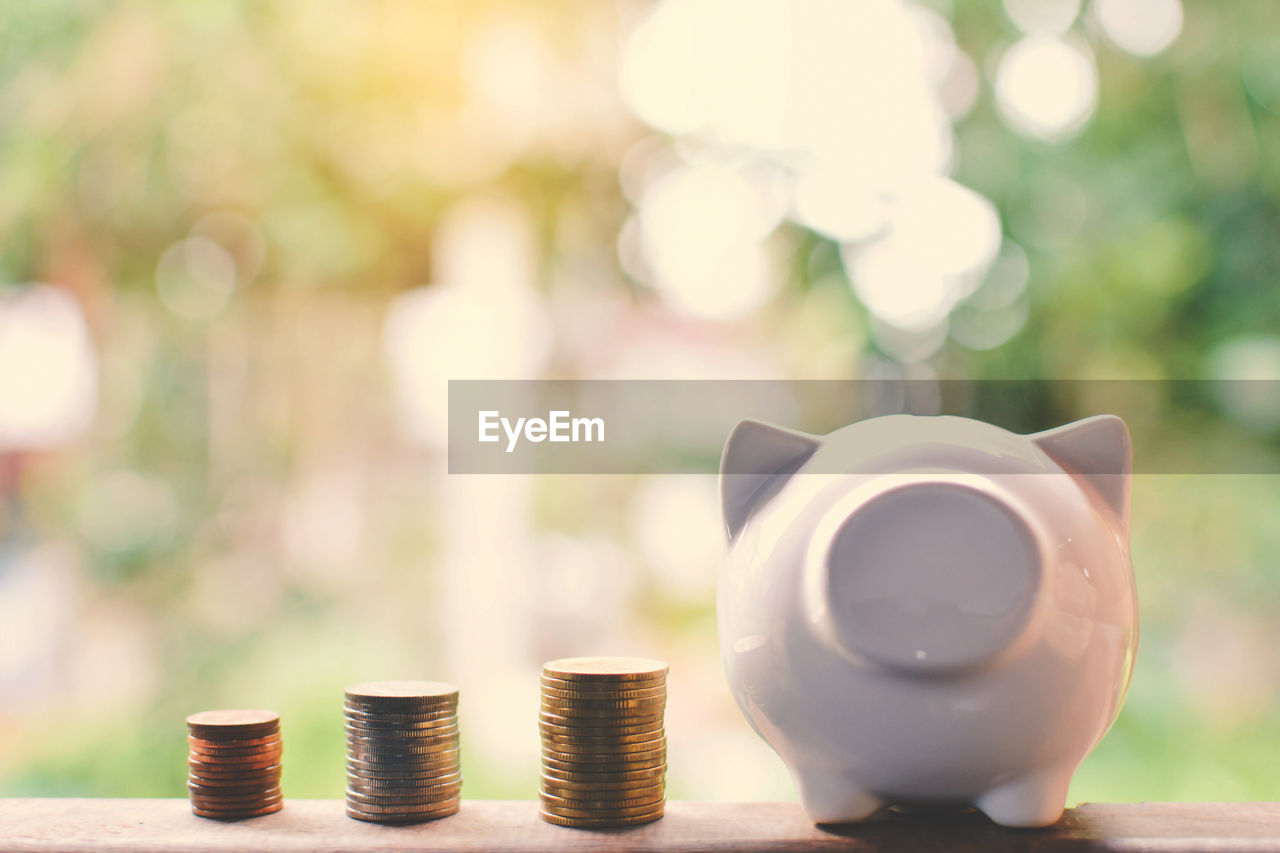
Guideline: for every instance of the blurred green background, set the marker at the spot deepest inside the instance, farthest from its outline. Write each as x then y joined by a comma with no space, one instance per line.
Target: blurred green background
243,246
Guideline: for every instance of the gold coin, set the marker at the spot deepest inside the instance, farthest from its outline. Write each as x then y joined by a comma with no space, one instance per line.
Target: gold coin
607,669
628,706
568,690
600,822
550,764
614,719
618,749
546,725
634,811
594,804
593,793
605,740
590,758
607,778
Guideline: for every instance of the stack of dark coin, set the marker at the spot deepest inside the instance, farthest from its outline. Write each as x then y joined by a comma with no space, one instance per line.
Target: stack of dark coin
604,750
402,751
234,763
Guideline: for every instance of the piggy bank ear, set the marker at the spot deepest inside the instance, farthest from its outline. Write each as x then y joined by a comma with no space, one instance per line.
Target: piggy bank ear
1097,450
758,458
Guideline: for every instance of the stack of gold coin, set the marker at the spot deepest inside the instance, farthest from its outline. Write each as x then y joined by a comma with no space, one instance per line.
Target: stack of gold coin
402,751
604,751
234,763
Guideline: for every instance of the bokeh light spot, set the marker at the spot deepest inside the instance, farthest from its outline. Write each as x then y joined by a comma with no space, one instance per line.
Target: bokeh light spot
1047,88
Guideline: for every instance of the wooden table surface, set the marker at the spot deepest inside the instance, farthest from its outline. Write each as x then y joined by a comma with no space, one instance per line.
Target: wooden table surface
321,825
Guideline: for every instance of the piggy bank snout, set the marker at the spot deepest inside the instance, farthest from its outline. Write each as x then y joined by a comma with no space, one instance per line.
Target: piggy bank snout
929,578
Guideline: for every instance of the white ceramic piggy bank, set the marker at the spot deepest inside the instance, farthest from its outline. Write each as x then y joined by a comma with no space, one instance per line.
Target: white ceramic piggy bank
929,609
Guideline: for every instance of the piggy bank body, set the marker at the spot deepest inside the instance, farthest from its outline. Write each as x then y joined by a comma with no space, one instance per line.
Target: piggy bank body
929,609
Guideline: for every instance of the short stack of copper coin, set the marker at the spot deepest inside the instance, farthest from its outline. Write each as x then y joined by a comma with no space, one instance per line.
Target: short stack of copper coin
402,751
233,767
604,749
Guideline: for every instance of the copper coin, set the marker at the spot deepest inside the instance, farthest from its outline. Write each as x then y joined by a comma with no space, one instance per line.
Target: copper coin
600,822
234,760
231,790
212,803
235,742
232,764
215,774
258,783
218,814
229,756
233,724
213,787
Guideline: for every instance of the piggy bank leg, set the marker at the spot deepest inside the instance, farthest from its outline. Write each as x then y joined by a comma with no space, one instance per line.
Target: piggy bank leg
829,796
1036,799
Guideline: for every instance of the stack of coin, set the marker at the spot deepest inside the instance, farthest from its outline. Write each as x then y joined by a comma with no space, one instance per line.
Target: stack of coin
234,763
402,751
604,752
